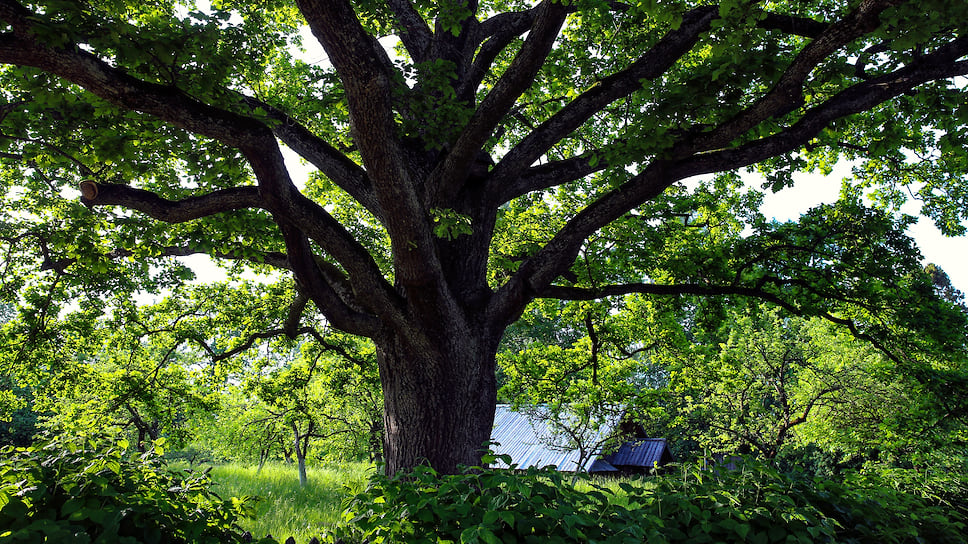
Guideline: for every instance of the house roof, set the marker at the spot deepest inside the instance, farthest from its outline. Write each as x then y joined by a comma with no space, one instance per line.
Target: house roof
643,452
530,442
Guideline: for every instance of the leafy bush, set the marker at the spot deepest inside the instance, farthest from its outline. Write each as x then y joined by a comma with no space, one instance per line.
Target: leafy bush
81,490
753,504
944,484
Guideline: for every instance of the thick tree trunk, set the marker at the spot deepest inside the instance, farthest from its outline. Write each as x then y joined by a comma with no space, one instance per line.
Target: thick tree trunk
439,401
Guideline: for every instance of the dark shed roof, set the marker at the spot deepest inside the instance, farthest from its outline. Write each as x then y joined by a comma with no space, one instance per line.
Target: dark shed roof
643,452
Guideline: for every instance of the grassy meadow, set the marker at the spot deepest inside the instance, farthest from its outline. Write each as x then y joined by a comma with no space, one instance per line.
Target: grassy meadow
286,509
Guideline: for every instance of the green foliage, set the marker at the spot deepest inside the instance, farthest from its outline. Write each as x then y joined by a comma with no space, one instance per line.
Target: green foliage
327,391
753,503
241,430
766,382
502,169
449,224
18,421
90,490
938,478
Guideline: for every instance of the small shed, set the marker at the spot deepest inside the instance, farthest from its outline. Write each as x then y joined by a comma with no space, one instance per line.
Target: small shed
640,455
530,442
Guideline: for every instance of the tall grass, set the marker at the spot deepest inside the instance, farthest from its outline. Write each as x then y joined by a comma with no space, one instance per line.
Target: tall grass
287,509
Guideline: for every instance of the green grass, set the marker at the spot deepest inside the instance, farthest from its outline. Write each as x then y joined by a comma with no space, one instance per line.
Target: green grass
286,509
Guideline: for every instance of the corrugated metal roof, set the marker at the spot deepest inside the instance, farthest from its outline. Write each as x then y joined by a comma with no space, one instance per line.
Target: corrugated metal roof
531,442
639,453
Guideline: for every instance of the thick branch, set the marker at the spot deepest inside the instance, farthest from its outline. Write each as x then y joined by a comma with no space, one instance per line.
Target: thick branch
414,32
539,271
498,31
340,306
447,179
649,66
339,168
277,192
349,46
456,46
170,211
117,87
546,176
296,308
861,97
314,221
584,293
787,94
368,78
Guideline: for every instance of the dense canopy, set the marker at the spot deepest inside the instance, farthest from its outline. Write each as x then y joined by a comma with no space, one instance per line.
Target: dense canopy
484,155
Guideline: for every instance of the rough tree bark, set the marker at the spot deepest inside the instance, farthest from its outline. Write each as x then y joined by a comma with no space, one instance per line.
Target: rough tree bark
439,407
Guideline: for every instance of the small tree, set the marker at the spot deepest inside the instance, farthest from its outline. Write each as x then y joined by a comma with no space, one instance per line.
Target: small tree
242,429
772,376
579,375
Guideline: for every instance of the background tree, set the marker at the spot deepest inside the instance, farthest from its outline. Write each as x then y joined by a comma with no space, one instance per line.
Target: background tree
242,430
581,373
804,392
474,168
290,403
770,376
318,400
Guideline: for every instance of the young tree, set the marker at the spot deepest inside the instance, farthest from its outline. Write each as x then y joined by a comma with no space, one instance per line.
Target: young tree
131,373
583,376
297,397
241,429
777,382
769,377
465,174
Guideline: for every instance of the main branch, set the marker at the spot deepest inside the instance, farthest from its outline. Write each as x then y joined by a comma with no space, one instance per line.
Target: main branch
649,66
370,81
539,271
449,176
170,211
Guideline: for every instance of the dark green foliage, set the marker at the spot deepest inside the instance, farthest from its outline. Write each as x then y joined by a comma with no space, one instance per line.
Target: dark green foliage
84,490
18,428
943,482
752,504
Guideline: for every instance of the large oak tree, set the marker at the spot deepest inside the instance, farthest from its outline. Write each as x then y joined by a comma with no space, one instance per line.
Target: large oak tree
495,153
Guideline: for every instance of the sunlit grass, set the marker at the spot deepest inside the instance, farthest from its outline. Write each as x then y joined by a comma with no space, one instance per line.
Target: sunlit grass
286,509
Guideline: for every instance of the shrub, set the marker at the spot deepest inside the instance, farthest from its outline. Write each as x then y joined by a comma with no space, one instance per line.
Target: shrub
80,490
753,504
